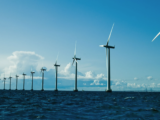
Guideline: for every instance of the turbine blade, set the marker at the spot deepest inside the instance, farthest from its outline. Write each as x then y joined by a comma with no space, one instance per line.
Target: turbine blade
101,45
75,50
110,34
156,36
76,61
73,61
57,58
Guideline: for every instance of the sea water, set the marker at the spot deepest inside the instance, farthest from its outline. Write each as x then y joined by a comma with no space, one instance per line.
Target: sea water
15,105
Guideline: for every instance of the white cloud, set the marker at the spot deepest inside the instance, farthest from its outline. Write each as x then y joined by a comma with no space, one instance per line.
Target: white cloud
34,77
120,83
149,77
99,76
69,73
152,85
89,74
22,61
133,85
135,78
96,82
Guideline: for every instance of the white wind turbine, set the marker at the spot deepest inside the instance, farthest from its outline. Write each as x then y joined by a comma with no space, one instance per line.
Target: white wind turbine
4,81
10,81
108,48
56,68
75,59
23,81
16,81
42,71
32,72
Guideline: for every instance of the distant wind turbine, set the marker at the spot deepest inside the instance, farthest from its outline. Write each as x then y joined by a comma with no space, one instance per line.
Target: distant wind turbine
16,81
23,81
75,59
108,48
4,82
42,71
32,72
56,68
156,36
10,82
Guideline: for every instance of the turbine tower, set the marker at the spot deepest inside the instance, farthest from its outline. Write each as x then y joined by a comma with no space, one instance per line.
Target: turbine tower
108,48
42,71
0,79
56,68
4,82
75,59
32,72
10,82
23,81
16,81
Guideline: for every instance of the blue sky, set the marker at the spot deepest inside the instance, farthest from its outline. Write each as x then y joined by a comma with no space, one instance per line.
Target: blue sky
33,32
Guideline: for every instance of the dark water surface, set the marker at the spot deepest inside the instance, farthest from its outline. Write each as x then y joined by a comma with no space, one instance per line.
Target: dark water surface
79,105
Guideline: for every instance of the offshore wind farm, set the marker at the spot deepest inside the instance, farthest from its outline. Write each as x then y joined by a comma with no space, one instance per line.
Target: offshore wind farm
53,66
75,59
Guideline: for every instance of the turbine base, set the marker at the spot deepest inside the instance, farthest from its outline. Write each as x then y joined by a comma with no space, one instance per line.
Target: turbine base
56,90
75,90
31,89
42,90
109,90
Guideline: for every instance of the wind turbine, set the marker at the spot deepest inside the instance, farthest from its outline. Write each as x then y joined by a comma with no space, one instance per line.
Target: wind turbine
42,71
108,48
75,59
23,80
156,36
16,81
10,81
32,72
0,79
56,68
4,82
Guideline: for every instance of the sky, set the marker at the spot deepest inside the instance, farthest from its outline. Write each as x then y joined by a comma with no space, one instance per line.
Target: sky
32,33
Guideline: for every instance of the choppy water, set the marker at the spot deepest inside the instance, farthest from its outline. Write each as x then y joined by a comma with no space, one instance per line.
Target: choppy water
78,105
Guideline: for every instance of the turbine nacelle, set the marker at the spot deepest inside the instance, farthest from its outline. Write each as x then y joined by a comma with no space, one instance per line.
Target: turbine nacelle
23,74
43,69
107,46
76,58
56,65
